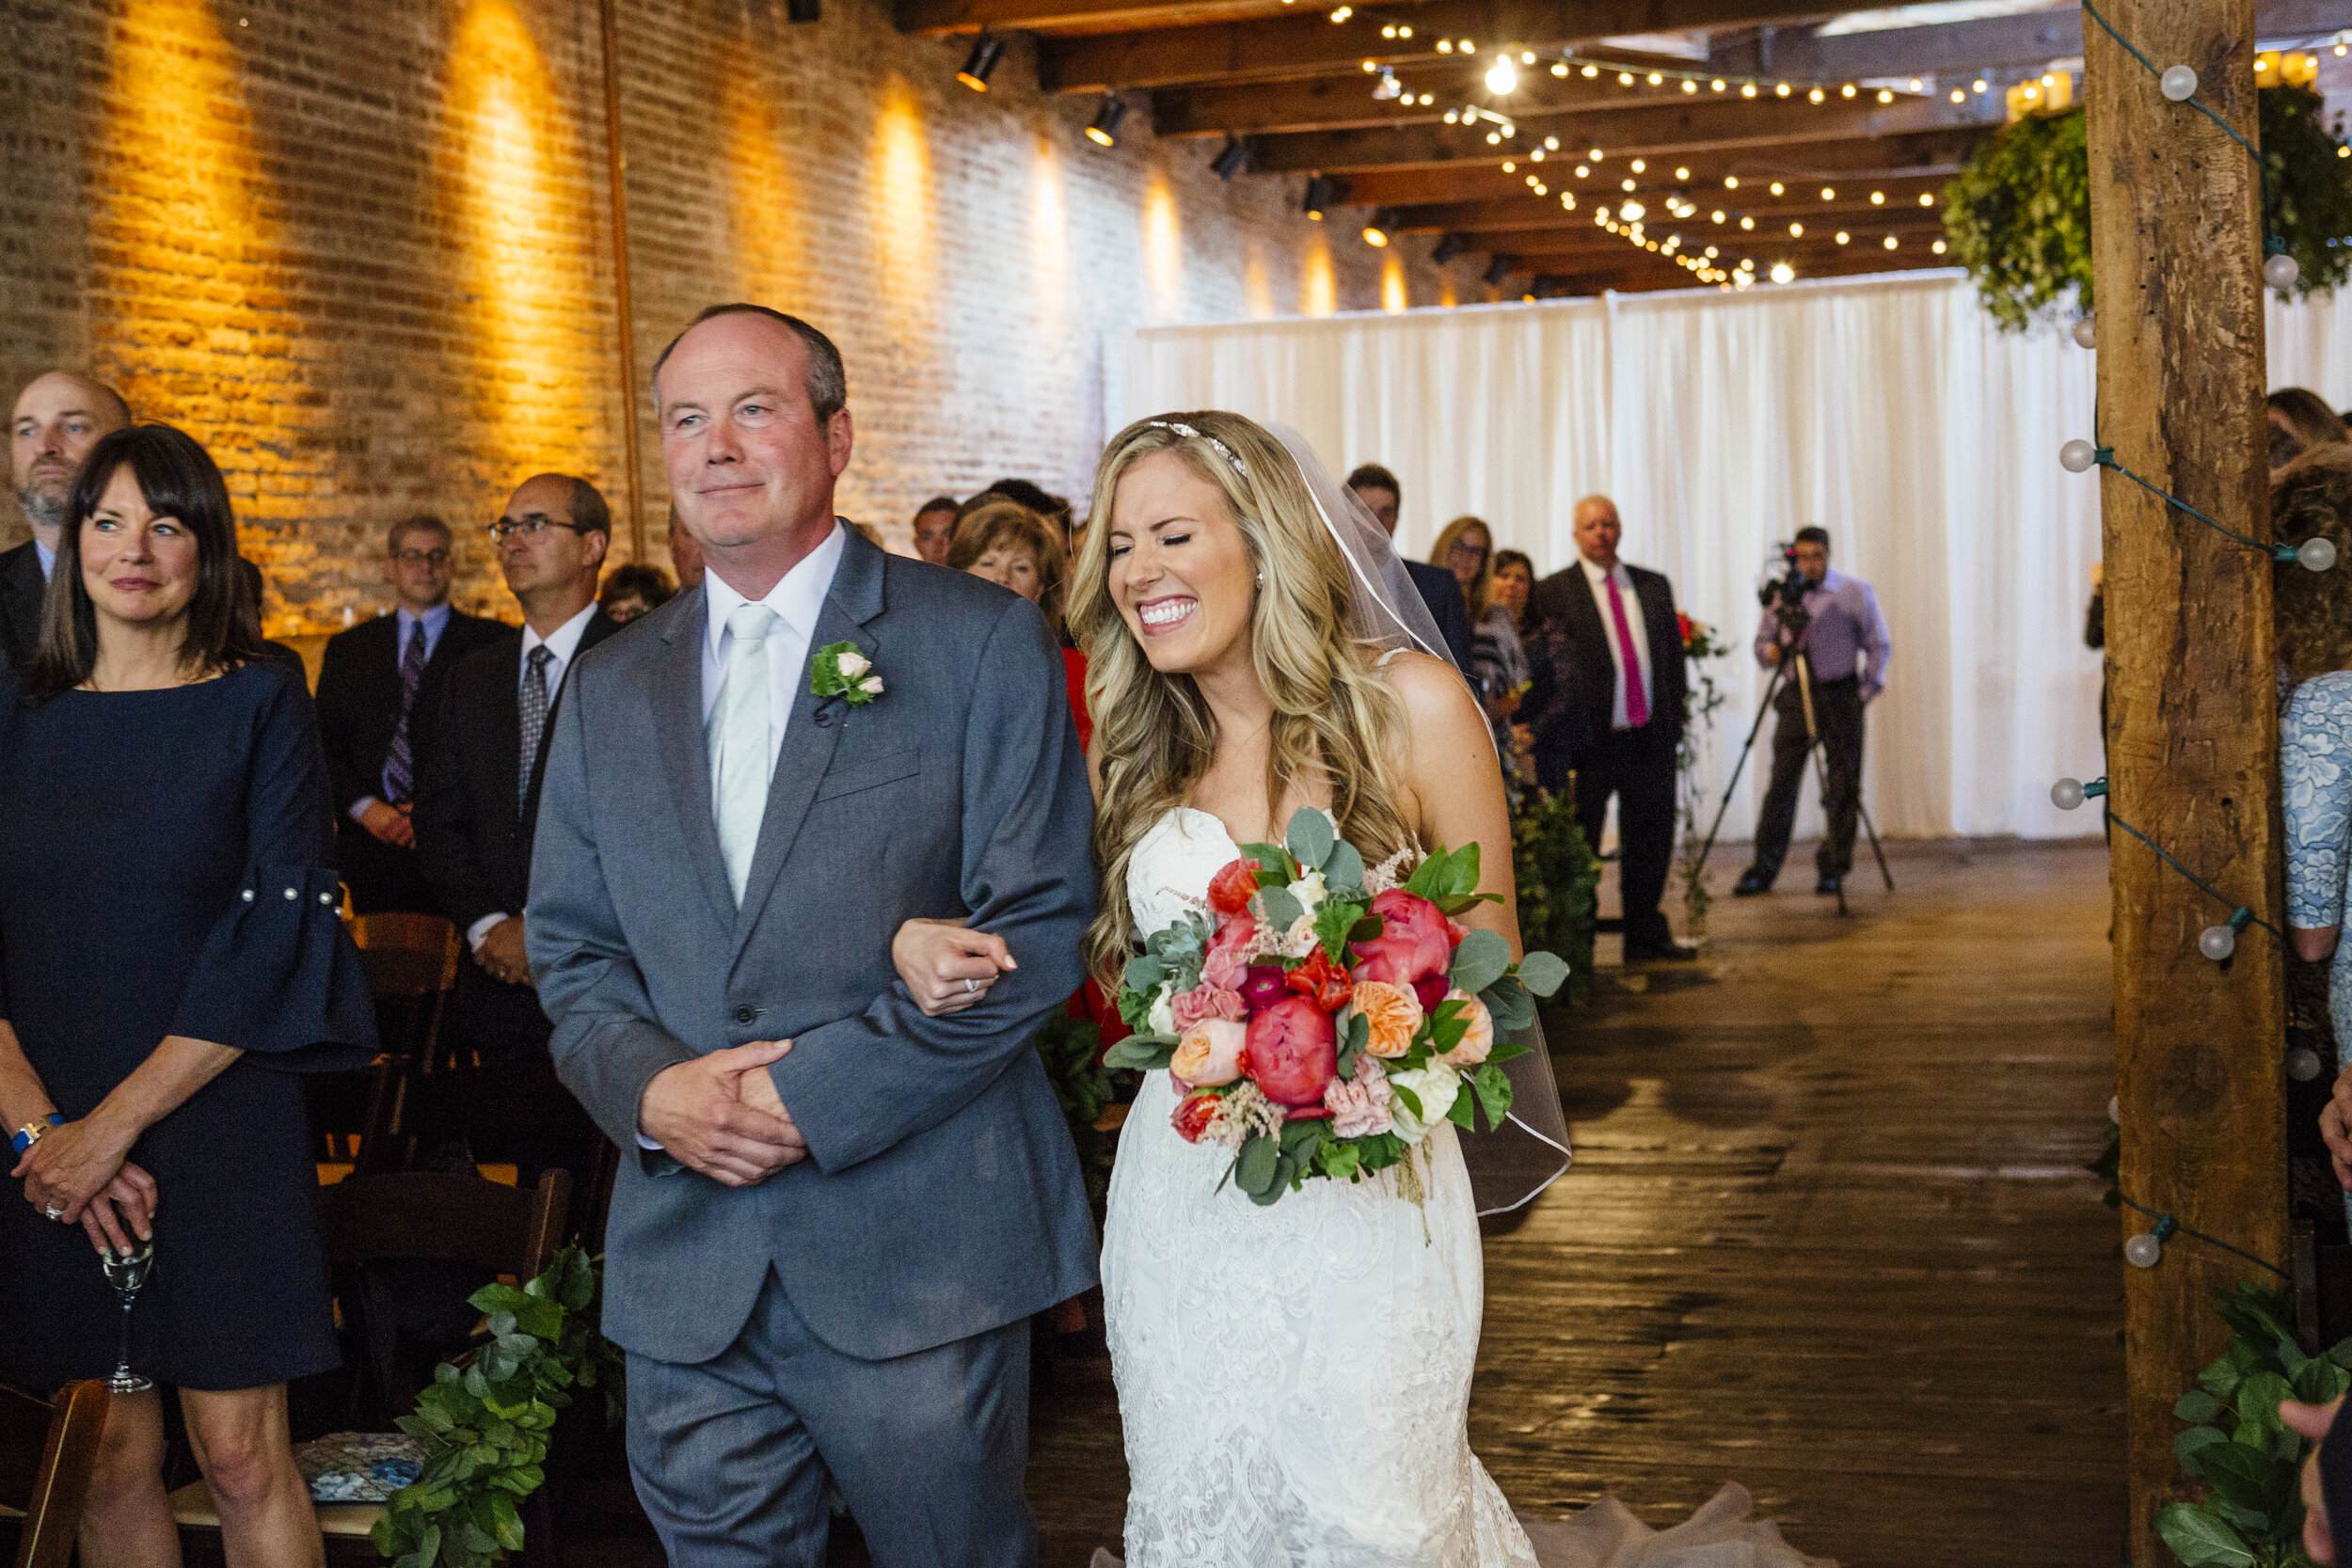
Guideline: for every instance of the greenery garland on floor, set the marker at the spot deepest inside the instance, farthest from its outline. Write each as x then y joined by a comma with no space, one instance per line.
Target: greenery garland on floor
2251,1462
486,1420
2019,215
1556,872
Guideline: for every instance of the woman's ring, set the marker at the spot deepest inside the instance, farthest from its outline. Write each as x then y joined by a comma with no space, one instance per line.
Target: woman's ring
973,987
54,1212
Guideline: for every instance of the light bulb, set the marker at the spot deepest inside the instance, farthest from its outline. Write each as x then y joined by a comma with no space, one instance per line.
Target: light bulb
2067,794
2215,942
2078,456
1559,67
2115,1109
1502,77
2280,271
2084,334
2143,1251
1784,273
2177,83
2317,554
2303,1064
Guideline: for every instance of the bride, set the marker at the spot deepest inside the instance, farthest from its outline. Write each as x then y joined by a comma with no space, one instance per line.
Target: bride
1294,1380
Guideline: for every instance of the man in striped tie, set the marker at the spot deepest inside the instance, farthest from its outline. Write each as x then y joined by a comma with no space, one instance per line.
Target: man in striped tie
1619,625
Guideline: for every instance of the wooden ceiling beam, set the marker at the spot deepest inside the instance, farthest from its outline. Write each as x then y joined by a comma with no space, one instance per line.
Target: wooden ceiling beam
1529,210
1928,155
1345,101
1688,128
1308,43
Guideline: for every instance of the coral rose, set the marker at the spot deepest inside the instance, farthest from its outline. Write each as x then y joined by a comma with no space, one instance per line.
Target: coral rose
1479,1038
1264,987
1393,1013
1292,1052
1209,1054
1194,1114
1361,1109
1414,941
1230,889
1205,1002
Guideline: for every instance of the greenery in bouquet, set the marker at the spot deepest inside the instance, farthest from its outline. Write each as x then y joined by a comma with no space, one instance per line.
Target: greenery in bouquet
1322,1018
1558,876
1072,1049
486,1420
2249,1460
1701,697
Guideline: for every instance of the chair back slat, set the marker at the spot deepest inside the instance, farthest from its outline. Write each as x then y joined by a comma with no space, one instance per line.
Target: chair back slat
406,956
47,1451
445,1217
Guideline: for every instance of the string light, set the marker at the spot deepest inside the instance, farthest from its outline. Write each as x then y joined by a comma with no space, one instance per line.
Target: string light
1778,188
1891,242
2316,554
1927,199
1828,194
2216,942
1784,273
1937,248
1878,198
2084,333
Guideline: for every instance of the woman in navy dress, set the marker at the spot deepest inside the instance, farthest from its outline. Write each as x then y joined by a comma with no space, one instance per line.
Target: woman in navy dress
170,957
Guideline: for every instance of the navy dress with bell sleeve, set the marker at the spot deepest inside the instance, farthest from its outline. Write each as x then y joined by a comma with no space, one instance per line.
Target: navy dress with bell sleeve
168,867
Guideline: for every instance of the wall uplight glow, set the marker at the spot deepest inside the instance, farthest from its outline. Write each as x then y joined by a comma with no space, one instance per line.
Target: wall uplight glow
902,208
1392,285
1320,295
1163,251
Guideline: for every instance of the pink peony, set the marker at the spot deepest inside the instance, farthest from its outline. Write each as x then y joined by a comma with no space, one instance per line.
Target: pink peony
1205,1002
1480,1037
1414,941
1209,1054
1264,987
1292,1052
1361,1109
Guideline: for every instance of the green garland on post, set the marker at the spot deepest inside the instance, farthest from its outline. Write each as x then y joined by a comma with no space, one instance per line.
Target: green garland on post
1556,872
486,1424
2019,215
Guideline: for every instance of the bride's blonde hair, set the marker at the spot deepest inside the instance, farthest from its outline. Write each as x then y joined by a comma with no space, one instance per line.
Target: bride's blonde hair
1335,719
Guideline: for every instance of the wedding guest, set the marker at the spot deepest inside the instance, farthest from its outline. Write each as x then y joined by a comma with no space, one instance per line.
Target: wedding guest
59,417
1618,641
1466,548
1843,629
170,960
2299,421
935,528
1378,490
632,589
1028,493
478,792
1013,548
1503,673
369,681
686,555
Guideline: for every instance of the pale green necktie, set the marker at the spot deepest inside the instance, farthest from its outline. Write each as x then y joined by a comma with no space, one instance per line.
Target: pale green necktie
743,750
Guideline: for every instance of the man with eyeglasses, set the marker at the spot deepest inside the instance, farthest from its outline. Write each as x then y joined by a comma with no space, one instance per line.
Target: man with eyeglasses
478,788
369,683
59,417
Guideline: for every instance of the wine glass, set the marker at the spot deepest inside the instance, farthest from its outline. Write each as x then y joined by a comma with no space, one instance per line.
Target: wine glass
127,1272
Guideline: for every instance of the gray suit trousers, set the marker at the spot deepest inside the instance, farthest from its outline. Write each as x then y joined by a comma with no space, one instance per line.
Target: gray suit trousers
731,1455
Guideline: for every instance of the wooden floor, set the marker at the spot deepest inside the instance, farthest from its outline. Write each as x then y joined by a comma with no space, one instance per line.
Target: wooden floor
1825,1236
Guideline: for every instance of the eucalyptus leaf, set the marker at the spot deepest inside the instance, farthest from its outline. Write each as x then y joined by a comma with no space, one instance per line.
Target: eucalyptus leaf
1141,1053
1344,868
1479,961
1281,907
1543,972
1253,1172
1308,837
1508,1001
1143,971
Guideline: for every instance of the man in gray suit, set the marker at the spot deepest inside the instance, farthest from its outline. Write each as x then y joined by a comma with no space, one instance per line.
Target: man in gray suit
836,1214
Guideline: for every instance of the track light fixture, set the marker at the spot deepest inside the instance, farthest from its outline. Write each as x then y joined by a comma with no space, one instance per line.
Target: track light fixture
986,51
1322,192
1379,228
1105,131
804,11
1449,247
1496,269
1229,159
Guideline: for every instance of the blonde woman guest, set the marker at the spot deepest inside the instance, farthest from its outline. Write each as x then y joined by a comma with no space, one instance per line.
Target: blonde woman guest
1466,548
1013,548
170,959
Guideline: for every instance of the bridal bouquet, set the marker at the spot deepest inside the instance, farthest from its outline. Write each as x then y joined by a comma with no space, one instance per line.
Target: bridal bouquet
1321,1017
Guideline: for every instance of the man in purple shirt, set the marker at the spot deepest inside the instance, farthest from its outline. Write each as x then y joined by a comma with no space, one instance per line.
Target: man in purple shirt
1845,647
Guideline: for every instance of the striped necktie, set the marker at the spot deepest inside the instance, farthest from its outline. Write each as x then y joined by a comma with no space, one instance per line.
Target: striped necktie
400,761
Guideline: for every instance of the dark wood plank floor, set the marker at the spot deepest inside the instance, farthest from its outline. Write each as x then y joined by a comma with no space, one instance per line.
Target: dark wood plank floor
1825,1236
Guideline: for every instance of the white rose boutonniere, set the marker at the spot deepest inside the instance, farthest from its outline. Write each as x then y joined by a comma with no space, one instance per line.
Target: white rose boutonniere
842,670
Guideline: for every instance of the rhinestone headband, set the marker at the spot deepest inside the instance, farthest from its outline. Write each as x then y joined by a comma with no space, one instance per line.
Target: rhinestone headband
1222,449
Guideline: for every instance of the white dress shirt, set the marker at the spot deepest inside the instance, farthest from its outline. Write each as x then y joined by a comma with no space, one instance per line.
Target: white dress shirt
48,559
1598,578
797,598
563,641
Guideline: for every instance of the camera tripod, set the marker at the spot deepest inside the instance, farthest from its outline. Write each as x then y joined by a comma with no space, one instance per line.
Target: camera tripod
1821,766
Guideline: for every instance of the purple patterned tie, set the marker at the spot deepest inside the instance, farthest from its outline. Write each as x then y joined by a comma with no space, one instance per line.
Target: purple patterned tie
400,765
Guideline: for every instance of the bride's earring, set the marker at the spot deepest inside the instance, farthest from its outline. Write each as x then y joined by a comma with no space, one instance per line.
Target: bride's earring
1262,580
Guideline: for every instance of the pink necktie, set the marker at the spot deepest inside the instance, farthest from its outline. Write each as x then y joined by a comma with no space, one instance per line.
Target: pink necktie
1636,705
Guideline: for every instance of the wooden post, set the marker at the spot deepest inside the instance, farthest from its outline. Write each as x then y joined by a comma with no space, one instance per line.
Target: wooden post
2193,731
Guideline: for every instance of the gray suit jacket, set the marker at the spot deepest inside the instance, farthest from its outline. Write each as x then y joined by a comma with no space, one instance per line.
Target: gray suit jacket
942,1196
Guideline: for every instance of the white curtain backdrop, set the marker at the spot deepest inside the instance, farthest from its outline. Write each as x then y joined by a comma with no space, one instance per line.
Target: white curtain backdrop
1889,411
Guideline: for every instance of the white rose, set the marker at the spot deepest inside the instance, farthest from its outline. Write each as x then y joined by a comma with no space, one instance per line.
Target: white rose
1162,1017
1435,1086
1310,890
852,665
871,685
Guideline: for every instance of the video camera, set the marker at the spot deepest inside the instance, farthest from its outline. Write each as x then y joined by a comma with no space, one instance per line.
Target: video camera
1782,588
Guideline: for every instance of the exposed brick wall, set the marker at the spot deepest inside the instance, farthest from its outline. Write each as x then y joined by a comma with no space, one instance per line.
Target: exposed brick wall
363,249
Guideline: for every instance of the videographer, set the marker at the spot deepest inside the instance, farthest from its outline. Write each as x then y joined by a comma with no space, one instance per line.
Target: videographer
1820,623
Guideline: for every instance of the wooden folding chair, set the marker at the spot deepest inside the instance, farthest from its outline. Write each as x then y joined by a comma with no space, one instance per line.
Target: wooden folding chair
412,1217
506,1106
47,1451
411,962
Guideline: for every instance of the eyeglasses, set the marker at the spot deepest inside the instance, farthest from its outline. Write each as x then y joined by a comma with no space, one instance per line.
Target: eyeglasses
529,527
1478,551
423,558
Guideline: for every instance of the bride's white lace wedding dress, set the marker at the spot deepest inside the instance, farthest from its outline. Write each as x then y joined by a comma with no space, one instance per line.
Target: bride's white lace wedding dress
1294,1380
